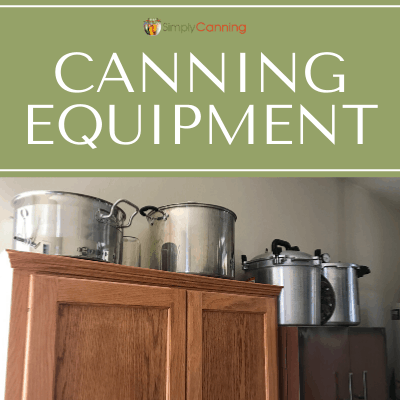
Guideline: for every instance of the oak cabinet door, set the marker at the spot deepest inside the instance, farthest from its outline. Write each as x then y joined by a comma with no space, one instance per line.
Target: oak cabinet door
232,347
94,340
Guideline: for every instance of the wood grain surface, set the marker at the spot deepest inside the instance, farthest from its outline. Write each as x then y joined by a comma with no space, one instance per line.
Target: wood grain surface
233,302
271,348
289,370
73,267
17,335
292,363
194,350
111,352
86,330
233,356
41,332
86,291
283,374
87,340
232,347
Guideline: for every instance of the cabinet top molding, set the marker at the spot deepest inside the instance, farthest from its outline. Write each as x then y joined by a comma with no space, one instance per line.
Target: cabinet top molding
86,269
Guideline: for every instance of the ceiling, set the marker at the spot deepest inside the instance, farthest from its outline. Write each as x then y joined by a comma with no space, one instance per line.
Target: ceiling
386,188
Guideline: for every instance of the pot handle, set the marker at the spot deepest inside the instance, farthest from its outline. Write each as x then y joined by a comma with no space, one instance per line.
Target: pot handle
147,208
279,242
130,219
155,209
363,270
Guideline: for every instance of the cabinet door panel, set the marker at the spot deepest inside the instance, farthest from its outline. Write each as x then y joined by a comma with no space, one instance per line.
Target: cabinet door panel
325,363
232,347
368,363
105,341
129,343
289,368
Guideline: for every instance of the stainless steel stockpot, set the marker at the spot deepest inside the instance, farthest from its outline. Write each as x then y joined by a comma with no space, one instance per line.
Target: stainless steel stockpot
299,302
69,224
344,279
193,238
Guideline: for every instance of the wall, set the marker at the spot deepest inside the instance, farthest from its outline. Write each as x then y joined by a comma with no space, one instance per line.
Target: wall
333,214
371,236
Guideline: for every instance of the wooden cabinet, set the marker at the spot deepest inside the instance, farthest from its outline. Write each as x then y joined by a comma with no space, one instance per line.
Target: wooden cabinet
332,363
103,340
83,330
231,347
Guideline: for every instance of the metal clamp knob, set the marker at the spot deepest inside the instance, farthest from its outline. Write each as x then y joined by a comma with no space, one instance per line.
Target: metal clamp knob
30,242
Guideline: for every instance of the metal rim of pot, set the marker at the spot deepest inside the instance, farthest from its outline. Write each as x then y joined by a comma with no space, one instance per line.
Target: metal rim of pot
103,218
164,216
361,270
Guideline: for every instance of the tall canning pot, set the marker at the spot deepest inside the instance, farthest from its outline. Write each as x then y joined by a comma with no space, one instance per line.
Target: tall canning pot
299,302
344,279
193,238
69,224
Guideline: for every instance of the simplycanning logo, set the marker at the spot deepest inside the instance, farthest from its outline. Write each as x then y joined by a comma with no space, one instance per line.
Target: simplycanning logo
152,26
204,27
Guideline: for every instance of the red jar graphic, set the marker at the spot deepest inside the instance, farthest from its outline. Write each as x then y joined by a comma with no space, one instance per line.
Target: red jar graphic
152,26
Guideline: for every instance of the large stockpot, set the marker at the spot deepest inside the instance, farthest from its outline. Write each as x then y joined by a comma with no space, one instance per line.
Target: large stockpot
299,273
193,238
344,279
69,224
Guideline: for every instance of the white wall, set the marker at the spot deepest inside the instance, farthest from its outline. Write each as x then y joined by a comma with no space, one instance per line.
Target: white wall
371,236
333,214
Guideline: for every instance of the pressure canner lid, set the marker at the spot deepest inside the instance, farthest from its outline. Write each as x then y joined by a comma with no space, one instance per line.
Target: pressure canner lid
290,255
360,269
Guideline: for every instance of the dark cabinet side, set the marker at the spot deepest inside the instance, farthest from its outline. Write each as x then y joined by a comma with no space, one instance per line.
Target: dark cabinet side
368,363
332,363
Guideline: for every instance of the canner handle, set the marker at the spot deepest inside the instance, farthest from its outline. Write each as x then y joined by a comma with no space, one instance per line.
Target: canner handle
363,270
279,242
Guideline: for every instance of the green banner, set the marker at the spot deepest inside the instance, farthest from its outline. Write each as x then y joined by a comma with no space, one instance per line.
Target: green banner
167,91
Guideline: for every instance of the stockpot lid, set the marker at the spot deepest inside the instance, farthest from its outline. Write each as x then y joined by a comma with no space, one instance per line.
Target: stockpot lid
196,204
360,269
22,199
